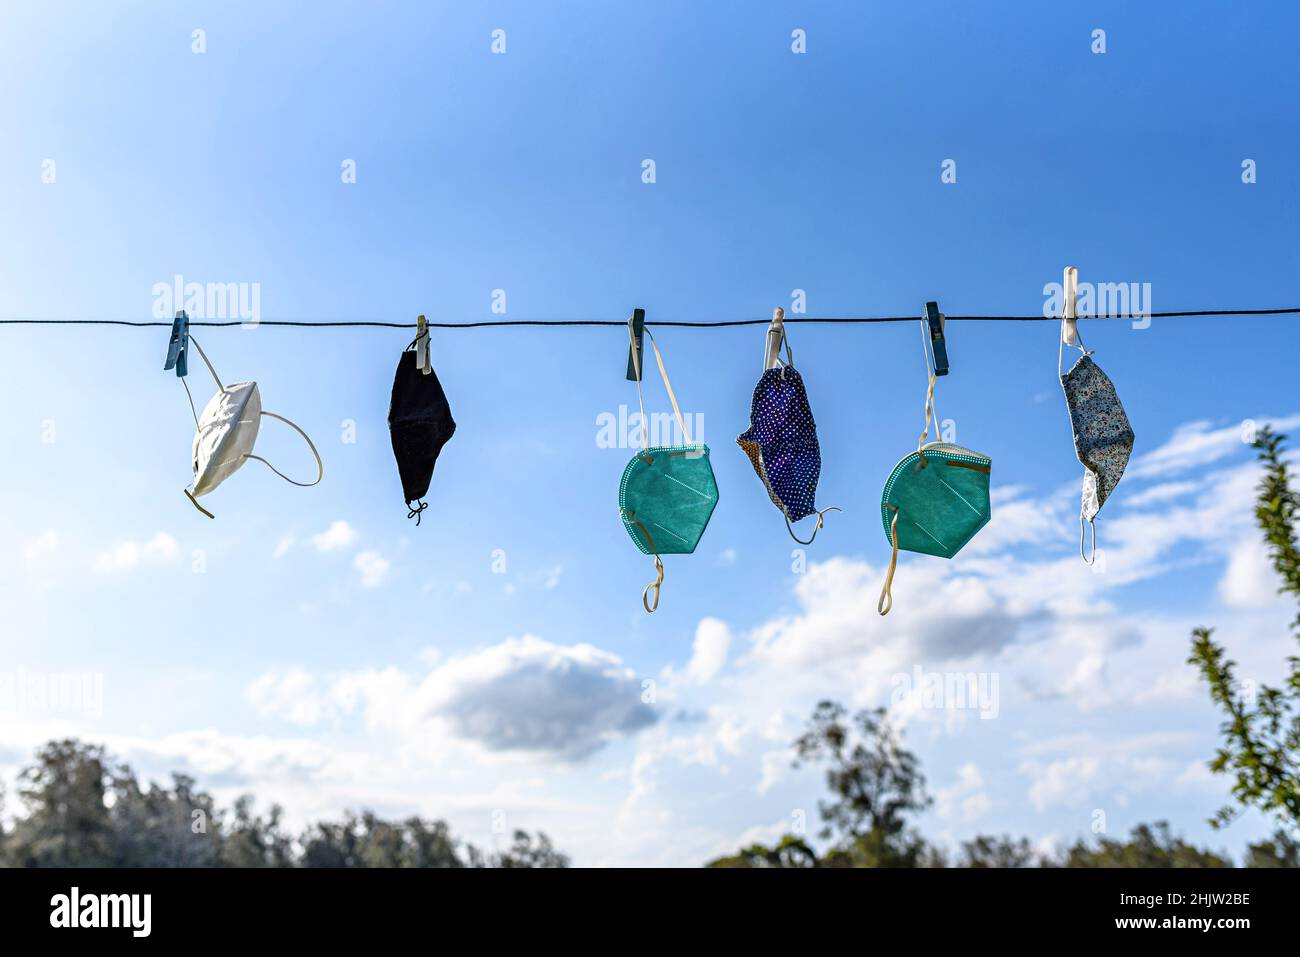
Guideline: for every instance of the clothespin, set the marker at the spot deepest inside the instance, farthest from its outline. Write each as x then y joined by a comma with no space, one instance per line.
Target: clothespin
1069,316
422,345
775,337
178,347
634,363
938,346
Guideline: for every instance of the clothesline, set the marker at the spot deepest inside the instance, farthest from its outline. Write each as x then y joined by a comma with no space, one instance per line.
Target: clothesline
622,323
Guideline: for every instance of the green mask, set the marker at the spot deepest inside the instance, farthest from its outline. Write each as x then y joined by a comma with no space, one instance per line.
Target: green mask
935,501
668,493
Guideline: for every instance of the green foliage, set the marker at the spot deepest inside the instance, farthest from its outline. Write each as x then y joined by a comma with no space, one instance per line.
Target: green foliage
1148,846
987,851
1261,730
790,851
1278,851
84,810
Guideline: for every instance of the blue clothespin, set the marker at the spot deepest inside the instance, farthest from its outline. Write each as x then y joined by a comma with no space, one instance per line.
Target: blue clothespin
178,347
938,347
638,331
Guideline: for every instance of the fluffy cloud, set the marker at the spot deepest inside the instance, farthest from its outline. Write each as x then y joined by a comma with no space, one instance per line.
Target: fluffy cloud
339,535
526,694
1249,580
965,799
1199,443
709,651
522,695
373,568
293,696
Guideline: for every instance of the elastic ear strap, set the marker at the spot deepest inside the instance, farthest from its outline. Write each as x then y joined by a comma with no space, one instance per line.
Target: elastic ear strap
930,410
659,567
1088,558
790,528
206,363
659,580
886,602
640,396
669,386
931,407
320,467
195,501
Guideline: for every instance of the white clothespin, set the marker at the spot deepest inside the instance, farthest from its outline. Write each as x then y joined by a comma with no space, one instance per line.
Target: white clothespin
422,346
1069,317
775,337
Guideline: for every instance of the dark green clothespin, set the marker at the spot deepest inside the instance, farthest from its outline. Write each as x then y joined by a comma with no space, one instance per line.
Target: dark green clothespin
634,347
938,347
179,346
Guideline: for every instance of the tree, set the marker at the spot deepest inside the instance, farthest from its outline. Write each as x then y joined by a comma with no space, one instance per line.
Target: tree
1261,732
790,851
253,841
1278,851
874,782
162,827
1148,846
988,851
524,851
67,823
83,809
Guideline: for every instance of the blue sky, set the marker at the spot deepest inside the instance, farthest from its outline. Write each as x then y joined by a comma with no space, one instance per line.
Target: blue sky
316,648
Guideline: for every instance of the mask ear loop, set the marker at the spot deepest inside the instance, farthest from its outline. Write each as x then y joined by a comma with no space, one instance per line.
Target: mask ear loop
886,603
1088,559
659,567
672,396
790,528
640,396
931,407
320,467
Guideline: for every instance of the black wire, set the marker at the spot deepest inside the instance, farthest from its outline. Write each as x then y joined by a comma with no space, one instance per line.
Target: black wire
830,320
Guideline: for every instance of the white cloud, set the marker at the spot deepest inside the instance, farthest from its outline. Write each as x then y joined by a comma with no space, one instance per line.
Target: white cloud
294,696
965,799
553,578
529,695
1198,444
709,651
727,557
1157,494
523,695
774,765
282,547
339,535
1060,781
1249,581
373,568
126,555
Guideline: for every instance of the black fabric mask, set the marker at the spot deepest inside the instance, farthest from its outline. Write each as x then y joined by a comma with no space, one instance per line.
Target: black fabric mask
420,422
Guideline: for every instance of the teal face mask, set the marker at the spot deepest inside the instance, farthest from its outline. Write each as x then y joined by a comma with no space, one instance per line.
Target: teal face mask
668,493
935,500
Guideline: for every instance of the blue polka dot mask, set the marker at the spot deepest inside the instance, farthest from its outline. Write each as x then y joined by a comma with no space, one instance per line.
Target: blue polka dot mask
781,443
